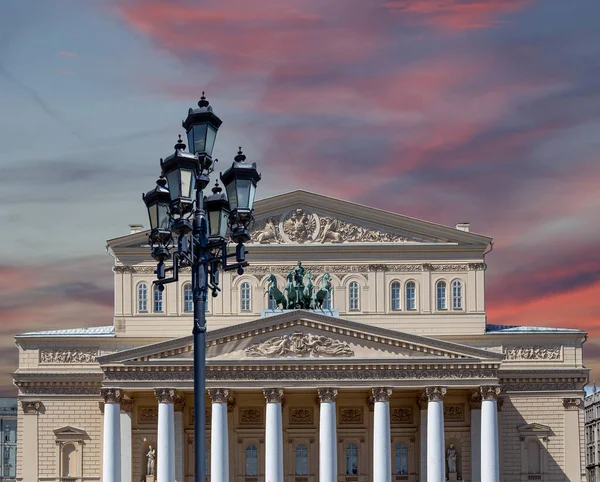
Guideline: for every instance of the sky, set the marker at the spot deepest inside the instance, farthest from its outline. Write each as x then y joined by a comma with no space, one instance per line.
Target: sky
484,111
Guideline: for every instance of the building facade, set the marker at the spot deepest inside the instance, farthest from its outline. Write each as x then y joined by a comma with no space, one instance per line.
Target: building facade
8,442
398,377
592,435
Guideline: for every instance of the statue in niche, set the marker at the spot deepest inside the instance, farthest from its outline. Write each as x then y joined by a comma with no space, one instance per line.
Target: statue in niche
451,459
150,461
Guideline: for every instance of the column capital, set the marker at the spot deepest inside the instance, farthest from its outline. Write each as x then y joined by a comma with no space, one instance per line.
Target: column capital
435,394
273,395
31,408
179,402
422,401
327,394
127,405
219,395
111,395
572,403
475,400
490,392
166,395
381,394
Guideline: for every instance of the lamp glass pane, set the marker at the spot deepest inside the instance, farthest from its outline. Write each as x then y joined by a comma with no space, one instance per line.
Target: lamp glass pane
199,138
163,217
213,222
232,195
223,225
211,135
187,183
244,187
252,194
190,139
153,213
174,187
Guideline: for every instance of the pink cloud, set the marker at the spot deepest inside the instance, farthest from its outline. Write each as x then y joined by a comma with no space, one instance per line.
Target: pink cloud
68,54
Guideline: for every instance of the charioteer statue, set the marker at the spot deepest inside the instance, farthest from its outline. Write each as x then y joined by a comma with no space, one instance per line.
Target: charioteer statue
299,292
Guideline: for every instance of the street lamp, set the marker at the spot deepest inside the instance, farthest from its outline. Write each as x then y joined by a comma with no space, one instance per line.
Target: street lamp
189,229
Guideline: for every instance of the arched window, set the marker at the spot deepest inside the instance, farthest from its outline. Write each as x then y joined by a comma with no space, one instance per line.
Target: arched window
353,296
251,461
401,458
142,296
327,302
301,460
533,457
188,298
457,295
411,295
69,462
351,459
441,295
158,299
245,297
395,295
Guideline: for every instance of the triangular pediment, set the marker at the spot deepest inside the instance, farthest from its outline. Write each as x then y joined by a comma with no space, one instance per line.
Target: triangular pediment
304,337
305,218
534,428
69,431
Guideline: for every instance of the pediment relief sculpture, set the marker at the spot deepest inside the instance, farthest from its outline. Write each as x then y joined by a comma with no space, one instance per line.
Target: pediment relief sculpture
300,226
300,344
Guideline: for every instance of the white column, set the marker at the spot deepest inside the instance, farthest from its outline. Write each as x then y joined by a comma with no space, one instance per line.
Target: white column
436,466
382,438
273,436
180,444
475,402
490,469
327,435
111,448
126,442
422,401
165,445
219,440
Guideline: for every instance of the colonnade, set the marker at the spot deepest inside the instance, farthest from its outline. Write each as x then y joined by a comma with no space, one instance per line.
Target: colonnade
432,441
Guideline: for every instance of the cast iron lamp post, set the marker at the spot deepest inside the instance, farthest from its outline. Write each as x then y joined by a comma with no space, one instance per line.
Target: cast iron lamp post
191,230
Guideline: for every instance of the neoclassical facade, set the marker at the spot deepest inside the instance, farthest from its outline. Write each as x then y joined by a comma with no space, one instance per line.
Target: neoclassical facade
398,377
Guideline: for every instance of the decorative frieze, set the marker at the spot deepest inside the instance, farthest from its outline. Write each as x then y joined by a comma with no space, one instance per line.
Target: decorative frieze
381,394
536,352
166,395
490,392
68,355
351,415
34,389
147,415
111,395
251,416
454,413
301,416
542,387
219,395
31,408
435,394
327,394
300,344
572,403
401,415
273,395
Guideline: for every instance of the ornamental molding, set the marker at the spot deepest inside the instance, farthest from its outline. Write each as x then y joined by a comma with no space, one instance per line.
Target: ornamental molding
572,403
68,355
301,416
475,400
490,393
327,394
59,389
351,415
218,395
31,408
401,415
111,395
422,401
534,352
542,387
300,344
273,395
293,373
381,394
147,415
251,416
126,405
166,395
454,413
299,226
435,394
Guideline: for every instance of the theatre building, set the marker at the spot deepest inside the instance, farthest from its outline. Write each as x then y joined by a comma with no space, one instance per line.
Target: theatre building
397,376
